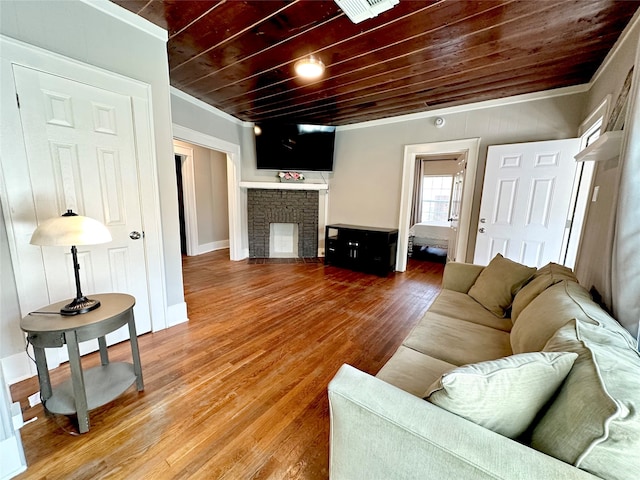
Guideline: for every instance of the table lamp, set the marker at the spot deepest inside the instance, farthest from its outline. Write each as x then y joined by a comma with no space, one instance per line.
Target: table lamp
72,229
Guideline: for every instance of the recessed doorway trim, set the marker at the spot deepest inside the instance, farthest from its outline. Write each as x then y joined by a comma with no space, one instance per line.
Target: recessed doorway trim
189,198
468,147
232,151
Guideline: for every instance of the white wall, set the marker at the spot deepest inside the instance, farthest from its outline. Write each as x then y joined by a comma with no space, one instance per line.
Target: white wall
90,34
594,262
366,184
189,112
219,213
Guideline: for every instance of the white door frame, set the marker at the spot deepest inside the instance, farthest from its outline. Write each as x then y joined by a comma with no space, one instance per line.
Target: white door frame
189,199
232,151
468,147
581,195
20,218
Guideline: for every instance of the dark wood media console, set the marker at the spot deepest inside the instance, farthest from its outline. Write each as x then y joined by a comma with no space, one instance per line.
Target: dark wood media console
366,249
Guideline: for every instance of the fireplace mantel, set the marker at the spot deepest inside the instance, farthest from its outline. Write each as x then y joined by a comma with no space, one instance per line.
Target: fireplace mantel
285,185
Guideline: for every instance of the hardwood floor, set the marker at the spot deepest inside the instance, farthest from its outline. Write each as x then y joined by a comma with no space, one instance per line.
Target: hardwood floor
238,392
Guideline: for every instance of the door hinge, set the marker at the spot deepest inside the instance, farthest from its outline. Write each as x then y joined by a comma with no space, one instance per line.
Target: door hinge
18,100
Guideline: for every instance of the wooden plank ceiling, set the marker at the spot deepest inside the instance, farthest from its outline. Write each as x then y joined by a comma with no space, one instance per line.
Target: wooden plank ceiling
238,55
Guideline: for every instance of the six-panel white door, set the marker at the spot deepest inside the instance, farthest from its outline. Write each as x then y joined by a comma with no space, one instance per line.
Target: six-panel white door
80,144
525,201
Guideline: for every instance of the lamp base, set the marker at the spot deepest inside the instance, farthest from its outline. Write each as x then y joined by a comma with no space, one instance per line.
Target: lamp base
79,305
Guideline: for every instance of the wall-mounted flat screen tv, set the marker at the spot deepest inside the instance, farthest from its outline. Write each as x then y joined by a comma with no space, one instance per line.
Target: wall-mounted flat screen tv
298,147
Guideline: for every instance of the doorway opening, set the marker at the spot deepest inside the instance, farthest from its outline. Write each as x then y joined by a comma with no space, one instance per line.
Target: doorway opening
231,151
433,208
201,175
465,150
183,233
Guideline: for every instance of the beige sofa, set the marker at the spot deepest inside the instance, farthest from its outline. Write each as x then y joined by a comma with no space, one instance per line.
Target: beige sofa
587,420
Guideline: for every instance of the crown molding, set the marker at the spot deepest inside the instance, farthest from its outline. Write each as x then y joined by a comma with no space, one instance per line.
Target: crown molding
205,106
467,107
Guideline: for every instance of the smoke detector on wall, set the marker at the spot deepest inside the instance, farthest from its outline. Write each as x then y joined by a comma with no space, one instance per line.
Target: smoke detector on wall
359,10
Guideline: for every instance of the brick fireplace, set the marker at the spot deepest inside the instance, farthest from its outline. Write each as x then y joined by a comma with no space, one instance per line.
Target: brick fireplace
267,206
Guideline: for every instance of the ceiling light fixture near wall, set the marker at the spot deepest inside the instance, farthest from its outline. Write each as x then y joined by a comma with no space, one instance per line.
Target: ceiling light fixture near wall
309,67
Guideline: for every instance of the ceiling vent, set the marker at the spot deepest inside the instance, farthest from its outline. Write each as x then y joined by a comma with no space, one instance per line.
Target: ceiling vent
359,10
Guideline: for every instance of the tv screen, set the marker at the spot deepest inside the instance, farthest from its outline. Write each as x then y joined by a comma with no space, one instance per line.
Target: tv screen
298,147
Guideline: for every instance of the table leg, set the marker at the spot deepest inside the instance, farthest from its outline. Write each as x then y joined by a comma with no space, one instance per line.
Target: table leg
135,353
104,353
77,381
43,373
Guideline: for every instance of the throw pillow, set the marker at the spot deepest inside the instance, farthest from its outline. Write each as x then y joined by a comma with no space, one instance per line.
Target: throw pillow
545,277
502,395
594,422
498,283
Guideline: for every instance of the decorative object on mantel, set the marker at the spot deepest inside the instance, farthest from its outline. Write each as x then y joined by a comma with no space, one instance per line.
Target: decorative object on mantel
616,119
290,176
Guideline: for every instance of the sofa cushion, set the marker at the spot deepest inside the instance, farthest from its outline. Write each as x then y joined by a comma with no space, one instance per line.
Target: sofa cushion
502,395
462,306
546,276
460,277
412,371
497,284
552,309
457,341
594,423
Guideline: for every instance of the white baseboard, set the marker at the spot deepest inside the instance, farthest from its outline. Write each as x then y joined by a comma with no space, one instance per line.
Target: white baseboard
12,457
18,367
212,246
177,314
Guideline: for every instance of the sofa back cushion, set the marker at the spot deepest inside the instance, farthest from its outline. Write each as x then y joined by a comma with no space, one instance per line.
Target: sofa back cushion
460,277
549,311
497,284
594,422
545,277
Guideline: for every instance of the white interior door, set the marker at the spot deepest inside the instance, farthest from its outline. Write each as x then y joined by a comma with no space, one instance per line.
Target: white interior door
525,201
456,203
80,144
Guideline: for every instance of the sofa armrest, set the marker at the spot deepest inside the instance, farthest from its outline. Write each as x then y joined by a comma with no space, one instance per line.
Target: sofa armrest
381,432
460,277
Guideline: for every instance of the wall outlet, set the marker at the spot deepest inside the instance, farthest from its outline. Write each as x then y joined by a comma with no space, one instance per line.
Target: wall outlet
34,399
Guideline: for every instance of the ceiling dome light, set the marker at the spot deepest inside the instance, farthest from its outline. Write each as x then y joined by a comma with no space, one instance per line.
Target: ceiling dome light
309,67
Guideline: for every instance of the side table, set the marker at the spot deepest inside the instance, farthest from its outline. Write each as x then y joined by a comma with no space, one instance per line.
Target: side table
85,390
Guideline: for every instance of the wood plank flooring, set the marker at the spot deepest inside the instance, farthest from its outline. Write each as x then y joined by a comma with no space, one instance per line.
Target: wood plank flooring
238,392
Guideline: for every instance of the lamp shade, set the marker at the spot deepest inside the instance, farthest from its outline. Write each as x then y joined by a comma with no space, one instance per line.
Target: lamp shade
70,229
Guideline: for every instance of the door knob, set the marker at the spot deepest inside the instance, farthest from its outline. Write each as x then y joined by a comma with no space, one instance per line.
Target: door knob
481,230
135,235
